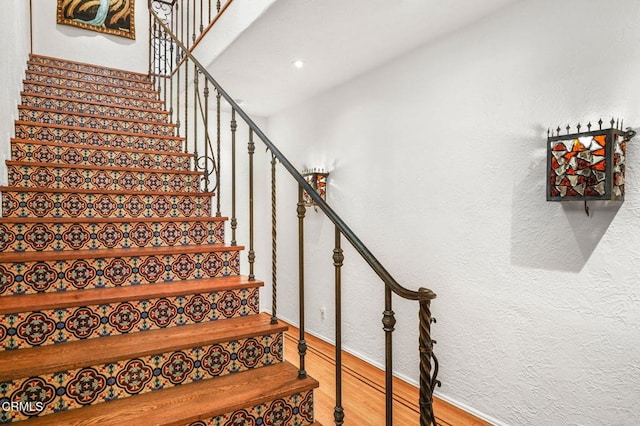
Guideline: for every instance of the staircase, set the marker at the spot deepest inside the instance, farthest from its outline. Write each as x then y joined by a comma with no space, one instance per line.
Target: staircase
120,303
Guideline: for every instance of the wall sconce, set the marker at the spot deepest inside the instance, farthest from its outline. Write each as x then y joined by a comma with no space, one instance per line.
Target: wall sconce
587,165
317,178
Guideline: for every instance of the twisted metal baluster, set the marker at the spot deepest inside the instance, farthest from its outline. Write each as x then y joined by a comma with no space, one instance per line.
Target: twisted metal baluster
274,252
428,381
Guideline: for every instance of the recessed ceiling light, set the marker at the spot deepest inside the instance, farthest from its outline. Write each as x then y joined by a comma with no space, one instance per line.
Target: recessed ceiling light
298,63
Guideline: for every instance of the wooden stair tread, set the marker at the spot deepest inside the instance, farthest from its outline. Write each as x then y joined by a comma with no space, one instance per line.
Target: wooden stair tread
91,102
103,191
100,147
48,219
64,299
84,114
105,168
89,129
35,256
35,55
20,363
188,403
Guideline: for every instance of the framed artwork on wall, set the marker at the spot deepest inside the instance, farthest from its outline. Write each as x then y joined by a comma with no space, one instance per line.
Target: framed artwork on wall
114,17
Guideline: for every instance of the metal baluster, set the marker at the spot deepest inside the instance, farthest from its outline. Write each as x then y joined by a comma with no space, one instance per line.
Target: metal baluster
195,116
428,382
201,15
338,259
274,252
178,56
158,66
187,38
164,65
178,99
234,220
252,253
193,35
302,344
218,6
206,134
151,55
388,322
171,65
155,54
209,21
182,20
218,186
186,103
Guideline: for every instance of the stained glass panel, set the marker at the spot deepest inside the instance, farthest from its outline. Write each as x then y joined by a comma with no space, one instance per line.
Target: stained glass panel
586,166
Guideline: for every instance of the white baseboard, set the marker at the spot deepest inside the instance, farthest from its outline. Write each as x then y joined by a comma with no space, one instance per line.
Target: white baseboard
462,406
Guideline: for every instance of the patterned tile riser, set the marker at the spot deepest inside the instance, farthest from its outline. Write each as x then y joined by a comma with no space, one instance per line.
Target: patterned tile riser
64,275
91,77
67,119
90,86
60,154
85,68
101,180
294,410
49,327
105,98
104,110
41,204
91,236
143,142
100,383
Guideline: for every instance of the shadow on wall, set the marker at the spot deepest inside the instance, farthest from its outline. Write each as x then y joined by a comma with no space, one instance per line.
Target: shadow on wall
555,236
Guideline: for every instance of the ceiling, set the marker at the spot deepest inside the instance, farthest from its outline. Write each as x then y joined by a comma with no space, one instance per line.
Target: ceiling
337,39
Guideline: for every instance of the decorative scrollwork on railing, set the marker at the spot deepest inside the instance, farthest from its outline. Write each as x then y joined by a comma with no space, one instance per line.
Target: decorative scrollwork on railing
162,45
207,163
164,10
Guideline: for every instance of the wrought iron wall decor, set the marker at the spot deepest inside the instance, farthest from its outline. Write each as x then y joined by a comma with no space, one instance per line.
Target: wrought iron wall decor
587,165
317,178
114,17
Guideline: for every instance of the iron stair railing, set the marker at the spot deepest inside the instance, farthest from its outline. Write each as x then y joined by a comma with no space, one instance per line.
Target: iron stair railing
166,29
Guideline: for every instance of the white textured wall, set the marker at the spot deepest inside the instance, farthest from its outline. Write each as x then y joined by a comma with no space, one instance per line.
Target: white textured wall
438,162
77,44
14,48
236,19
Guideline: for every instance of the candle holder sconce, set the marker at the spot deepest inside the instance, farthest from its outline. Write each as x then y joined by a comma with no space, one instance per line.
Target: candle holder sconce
317,178
587,165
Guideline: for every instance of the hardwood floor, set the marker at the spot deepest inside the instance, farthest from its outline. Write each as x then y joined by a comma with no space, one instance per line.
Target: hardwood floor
363,389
